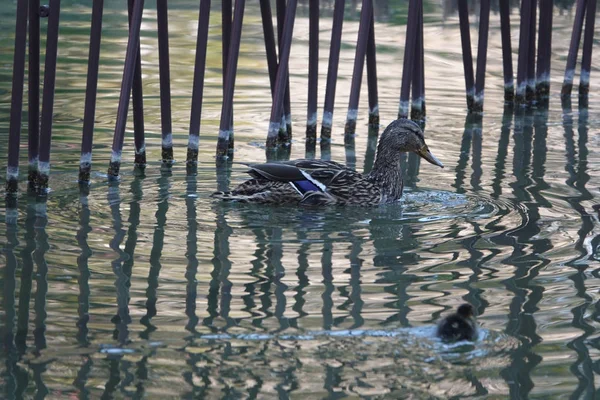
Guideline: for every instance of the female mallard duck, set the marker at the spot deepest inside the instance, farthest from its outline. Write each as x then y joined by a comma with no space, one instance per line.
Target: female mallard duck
459,325
317,182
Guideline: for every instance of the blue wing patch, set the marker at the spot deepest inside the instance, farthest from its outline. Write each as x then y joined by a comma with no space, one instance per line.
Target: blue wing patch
305,186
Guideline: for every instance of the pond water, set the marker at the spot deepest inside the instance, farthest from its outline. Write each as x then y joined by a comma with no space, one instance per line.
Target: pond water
147,287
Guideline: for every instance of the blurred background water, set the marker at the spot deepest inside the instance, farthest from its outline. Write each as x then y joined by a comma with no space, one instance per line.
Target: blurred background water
147,287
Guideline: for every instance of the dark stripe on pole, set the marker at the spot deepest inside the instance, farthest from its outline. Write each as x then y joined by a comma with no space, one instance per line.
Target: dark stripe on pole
542,76
359,63
198,88
465,41
280,81
573,48
588,44
16,102
409,52
126,85
482,46
34,87
372,75
507,63
138,103
48,96
523,51
417,108
85,162
226,126
165,80
313,71
332,69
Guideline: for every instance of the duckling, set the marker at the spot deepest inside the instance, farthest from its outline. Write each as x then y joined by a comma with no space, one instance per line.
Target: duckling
458,326
318,182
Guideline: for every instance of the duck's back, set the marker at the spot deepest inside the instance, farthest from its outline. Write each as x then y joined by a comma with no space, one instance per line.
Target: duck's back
456,328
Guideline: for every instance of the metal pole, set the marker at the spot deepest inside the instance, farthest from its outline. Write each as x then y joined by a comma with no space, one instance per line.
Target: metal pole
417,109
34,87
198,88
332,69
409,52
542,87
359,63
138,103
482,45
523,51
372,75
126,85
285,131
573,48
507,64
226,126
313,71
280,81
165,80
226,21
85,162
588,39
48,96
530,90
16,103
465,40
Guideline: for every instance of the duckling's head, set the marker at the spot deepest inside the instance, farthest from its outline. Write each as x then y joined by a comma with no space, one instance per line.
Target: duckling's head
404,135
466,311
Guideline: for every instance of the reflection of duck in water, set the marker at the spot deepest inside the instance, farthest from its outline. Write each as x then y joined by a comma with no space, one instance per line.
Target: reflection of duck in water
458,326
316,182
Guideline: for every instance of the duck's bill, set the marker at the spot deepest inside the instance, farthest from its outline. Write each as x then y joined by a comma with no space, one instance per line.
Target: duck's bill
426,154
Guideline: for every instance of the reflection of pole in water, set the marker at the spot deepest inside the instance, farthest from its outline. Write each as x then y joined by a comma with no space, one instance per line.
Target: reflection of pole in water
26,277
191,288
83,300
327,272
499,166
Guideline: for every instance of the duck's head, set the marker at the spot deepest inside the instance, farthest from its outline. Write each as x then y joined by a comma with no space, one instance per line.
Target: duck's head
465,311
404,135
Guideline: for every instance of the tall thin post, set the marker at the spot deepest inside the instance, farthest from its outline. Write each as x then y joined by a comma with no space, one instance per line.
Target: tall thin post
285,131
465,40
507,64
34,87
573,48
198,88
409,52
85,162
165,80
482,45
523,51
226,21
588,39
530,90
542,86
226,126
48,96
126,85
280,81
359,63
313,71
332,69
16,102
417,108
372,75
138,103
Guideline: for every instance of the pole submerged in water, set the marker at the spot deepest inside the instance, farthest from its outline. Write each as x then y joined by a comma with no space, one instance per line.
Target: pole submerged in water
34,88
285,130
417,106
226,125
586,58
507,63
313,71
524,41
482,45
542,76
16,103
465,41
85,161
48,96
165,81
530,88
359,62
372,75
409,53
198,85
332,69
567,86
126,86
138,104
281,79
